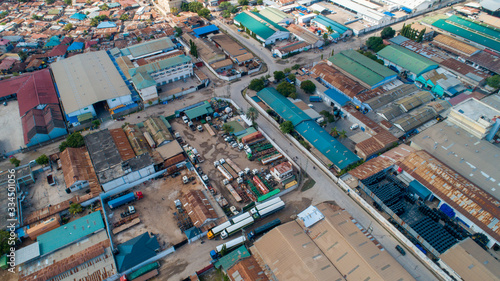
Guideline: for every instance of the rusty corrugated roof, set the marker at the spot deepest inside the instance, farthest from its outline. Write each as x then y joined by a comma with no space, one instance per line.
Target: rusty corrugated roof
121,141
471,201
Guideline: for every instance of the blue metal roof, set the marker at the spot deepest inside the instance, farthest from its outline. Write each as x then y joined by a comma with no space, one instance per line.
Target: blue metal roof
75,46
389,14
408,10
326,144
337,96
106,24
337,27
78,16
205,29
398,39
281,105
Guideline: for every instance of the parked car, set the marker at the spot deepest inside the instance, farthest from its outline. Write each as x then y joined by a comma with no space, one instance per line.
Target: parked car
401,250
354,127
185,119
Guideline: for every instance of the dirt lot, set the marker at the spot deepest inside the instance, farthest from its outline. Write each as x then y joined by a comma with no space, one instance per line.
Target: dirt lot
213,149
10,122
156,210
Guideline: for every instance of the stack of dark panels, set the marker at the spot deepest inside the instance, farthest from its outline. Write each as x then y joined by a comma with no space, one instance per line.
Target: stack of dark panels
434,234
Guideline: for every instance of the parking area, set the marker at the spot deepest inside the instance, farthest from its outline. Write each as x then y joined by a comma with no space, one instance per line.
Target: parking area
155,210
10,122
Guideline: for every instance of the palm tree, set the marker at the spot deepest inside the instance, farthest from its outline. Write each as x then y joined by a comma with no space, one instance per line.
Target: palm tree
342,135
227,128
325,37
75,208
334,132
329,29
252,114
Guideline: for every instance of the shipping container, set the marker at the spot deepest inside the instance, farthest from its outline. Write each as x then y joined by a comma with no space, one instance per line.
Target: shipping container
315,99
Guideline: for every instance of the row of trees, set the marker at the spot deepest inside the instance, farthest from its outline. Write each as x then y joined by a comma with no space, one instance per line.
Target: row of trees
195,7
412,34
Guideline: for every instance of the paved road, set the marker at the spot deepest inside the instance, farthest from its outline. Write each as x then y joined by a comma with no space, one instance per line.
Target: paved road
325,189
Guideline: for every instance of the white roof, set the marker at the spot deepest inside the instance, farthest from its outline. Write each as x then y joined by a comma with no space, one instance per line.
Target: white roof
360,9
310,216
318,8
27,253
87,78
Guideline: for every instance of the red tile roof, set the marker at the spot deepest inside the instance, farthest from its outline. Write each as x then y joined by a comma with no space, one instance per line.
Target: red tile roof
32,90
7,63
58,51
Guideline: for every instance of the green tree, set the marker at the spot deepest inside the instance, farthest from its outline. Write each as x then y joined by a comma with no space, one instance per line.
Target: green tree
3,14
287,70
68,27
293,95
374,42
178,31
226,14
334,132
325,37
4,242
291,77
420,36
35,17
227,128
174,11
286,127
204,13
195,7
184,6
73,140
308,86
139,39
333,52
193,49
305,144
329,29
22,55
14,161
75,208
243,2
96,123
296,66
256,84
493,81
50,2
387,33
342,135
124,17
42,160
285,88
252,114
279,75
260,2
68,2
104,7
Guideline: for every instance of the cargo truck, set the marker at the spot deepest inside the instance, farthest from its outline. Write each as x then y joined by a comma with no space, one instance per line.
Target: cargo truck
215,254
127,198
265,204
233,165
218,229
236,227
233,192
251,137
228,168
315,99
141,272
271,158
263,189
261,229
269,210
224,173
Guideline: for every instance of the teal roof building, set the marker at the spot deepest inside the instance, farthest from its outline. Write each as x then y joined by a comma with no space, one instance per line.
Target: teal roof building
365,70
400,58
135,251
200,111
142,75
70,233
331,148
264,29
479,34
339,30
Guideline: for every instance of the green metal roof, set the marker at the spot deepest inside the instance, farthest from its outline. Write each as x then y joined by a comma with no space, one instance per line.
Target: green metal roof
471,31
204,109
148,47
143,80
160,65
260,27
232,258
70,233
274,14
361,67
135,251
329,146
84,117
281,105
407,59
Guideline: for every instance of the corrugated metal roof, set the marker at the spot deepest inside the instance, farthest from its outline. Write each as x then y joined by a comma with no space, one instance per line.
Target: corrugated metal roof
122,144
274,14
258,24
407,59
468,199
361,67
205,29
337,79
76,166
449,42
281,105
310,216
148,47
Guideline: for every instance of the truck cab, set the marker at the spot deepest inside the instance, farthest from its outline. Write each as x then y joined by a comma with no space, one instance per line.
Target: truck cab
200,128
185,179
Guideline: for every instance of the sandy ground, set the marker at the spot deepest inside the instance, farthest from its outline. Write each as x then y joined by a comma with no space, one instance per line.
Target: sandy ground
156,210
212,149
12,130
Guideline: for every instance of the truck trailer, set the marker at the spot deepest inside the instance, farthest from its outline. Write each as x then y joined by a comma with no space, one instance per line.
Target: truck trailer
127,198
215,254
264,228
233,192
218,229
228,168
236,227
269,210
225,173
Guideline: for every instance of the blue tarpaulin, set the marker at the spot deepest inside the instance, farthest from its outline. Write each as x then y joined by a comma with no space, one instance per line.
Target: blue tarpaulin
389,14
337,96
200,31
408,10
